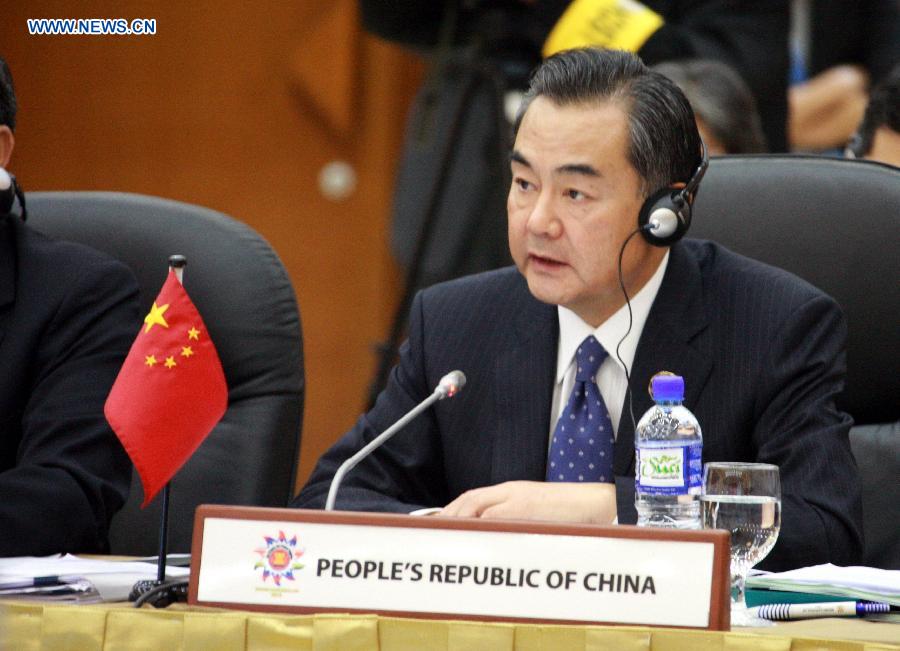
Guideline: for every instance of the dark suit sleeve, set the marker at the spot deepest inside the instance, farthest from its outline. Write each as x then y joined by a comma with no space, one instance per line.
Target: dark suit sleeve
71,474
802,431
408,465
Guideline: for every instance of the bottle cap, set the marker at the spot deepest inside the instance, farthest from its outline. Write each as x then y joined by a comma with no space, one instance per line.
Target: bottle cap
668,388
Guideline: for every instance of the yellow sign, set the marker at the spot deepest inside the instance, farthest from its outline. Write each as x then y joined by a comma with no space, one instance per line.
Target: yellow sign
613,24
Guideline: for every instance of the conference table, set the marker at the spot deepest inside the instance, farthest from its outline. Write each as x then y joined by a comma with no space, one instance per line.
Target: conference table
26,626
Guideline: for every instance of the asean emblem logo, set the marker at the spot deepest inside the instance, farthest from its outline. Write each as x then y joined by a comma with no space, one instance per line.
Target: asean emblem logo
279,558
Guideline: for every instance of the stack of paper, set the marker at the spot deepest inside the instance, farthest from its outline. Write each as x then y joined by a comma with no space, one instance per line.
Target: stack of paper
862,583
76,580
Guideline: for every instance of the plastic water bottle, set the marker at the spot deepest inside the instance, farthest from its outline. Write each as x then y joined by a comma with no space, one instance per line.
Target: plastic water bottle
668,467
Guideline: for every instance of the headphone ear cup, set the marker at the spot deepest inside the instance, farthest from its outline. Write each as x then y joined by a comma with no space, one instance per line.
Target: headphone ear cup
665,217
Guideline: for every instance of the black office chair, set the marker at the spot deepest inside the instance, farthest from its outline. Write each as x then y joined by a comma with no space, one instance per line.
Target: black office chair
835,223
247,301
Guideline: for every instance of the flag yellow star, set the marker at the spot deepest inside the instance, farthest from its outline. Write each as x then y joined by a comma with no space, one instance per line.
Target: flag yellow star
150,360
193,333
155,317
170,362
186,351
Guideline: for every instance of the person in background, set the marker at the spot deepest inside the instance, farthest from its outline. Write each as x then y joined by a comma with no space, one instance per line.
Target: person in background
824,109
839,50
68,315
723,105
752,37
878,135
601,139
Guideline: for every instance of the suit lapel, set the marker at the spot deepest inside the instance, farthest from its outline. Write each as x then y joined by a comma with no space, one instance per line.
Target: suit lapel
669,342
525,371
7,274
525,374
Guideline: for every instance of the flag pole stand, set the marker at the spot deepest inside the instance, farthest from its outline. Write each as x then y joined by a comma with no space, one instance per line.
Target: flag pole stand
159,593
163,537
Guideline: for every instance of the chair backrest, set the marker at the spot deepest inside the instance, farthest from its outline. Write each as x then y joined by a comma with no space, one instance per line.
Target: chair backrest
835,223
247,301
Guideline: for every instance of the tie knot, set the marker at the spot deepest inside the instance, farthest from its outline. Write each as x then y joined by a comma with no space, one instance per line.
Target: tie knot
588,357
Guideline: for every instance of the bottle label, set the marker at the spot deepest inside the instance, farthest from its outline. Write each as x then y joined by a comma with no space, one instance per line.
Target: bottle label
669,471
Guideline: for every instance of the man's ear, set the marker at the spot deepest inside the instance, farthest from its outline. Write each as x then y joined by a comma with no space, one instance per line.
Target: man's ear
7,142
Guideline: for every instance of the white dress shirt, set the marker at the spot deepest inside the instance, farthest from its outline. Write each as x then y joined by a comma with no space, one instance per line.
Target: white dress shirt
611,375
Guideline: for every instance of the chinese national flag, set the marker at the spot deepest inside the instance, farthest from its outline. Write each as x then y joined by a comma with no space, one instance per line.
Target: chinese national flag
170,392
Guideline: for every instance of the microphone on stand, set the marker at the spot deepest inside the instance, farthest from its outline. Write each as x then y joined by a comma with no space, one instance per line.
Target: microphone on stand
449,386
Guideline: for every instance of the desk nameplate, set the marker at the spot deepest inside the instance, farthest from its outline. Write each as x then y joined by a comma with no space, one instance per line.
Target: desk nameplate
290,560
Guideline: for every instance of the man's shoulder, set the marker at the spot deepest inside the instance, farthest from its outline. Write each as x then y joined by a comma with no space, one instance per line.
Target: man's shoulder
504,290
41,250
52,280
500,288
493,301
725,270
486,282
57,265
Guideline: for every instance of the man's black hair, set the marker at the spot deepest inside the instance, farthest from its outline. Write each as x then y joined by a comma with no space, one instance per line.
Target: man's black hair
7,97
664,144
883,110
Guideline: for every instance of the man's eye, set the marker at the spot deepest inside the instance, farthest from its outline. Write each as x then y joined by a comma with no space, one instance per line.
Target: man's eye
523,184
576,195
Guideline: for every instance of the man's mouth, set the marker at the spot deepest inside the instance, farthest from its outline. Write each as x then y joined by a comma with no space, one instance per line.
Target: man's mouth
545,262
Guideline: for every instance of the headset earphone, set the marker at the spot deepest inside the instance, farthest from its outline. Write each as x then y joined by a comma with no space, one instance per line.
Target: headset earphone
9,192
666,214
664,219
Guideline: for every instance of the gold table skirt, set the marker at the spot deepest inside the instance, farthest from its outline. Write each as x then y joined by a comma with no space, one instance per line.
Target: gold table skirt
31,626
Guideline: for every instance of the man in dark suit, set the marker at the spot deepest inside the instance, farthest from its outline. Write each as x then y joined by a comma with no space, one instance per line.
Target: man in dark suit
600,140
68,315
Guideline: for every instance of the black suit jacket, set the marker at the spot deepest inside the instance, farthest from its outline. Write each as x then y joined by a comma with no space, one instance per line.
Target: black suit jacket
68,315
761,352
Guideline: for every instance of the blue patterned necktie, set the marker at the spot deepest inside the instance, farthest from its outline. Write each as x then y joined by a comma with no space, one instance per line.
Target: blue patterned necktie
582,446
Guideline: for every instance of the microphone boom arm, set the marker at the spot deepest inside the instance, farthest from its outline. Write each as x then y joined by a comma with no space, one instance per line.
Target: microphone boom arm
449,386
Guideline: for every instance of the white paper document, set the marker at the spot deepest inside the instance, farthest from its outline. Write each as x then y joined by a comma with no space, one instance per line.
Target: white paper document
856,582
73,579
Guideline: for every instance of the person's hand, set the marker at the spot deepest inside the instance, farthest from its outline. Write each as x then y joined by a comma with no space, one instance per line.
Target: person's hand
825,110
533,500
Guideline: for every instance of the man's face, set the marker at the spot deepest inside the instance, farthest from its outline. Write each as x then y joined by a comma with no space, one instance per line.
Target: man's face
574,199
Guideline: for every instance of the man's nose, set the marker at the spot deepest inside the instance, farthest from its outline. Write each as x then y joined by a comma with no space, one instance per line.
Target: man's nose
543,219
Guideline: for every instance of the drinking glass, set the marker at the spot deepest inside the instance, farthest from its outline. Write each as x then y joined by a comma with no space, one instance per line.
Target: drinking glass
745,500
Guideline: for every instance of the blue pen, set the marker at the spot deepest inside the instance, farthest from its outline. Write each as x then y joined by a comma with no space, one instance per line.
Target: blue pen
784,612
